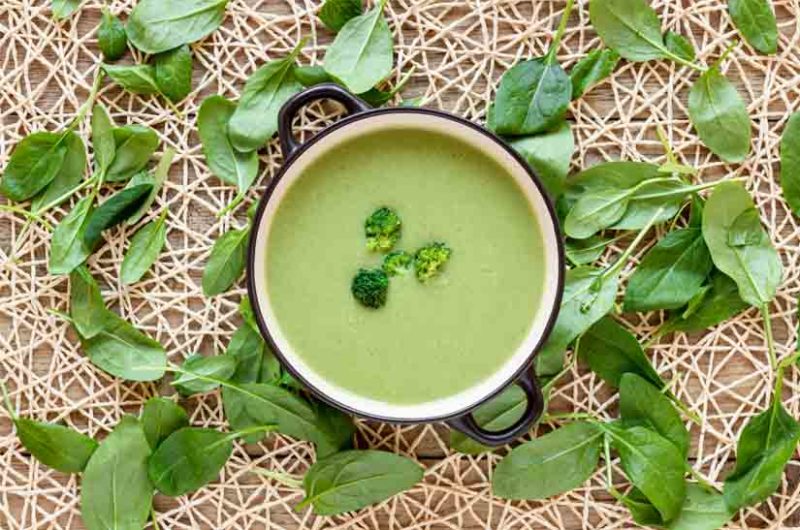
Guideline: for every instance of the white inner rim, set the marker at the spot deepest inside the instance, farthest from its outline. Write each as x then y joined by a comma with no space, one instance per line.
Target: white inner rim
470,397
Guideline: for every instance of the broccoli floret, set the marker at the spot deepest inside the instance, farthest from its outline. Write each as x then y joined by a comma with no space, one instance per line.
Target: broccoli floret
397,262
370,287
430,259
382,229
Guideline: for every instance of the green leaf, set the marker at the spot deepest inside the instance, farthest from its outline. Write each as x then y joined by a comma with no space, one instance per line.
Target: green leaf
631,27
642,510
588,297
189,459
671,273
67,248
111,36
653,464
55,446
113,211
135,78
596,211
351,480
765,446
756,269
145,247
156,179
224,161
160,418
68,176
155,26
311,75
115,490
719,115
226,263
702,510
612,351
549,154
665,196
586,251
125,352
247,349
790,163
86,305
34,164
606,175
173,72
498,413
641,403
755,20
246,310
335,13
64,8
255,118
533,97
361,55
254,404
590,70
217,366
134,145
551,464
718,303
677,44
103,142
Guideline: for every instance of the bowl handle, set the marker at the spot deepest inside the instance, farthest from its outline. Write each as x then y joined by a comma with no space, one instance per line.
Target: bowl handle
287,113
468,425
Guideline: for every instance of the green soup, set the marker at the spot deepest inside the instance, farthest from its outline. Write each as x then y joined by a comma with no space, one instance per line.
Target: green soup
431,340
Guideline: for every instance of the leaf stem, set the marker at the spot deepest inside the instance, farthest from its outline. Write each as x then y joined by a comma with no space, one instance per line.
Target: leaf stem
725,54
703,481
89,103
570,416
25,213
662,137
623,259
689,413
233,204
66,195
284,478
609,477
562,27
565,370
251,430
773,358
154,517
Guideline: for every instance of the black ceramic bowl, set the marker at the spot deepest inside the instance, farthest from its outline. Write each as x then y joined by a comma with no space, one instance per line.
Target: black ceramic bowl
363,120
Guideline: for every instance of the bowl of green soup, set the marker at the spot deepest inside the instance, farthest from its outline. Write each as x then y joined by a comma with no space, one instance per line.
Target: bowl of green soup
438,338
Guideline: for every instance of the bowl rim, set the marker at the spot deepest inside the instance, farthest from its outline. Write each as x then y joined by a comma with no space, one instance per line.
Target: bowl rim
256,222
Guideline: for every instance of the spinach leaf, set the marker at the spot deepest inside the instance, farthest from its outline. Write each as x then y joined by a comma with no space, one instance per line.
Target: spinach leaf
246,310
113,211
224,161
55,446
111,36
134,145
335,13
551,464
717,304
34,163
497,413
671,273
145,247
136,78
219,367
361,55
173,72
641,403
549,154
702,510
719,115
248,349
115,490
156,179
631,27
160,418
189,459
586,251
255,118
756,268
67,248
64,8
351,480
677,44
155,26
68,176
756,22
653,464
104,144
612,351
596,211
765,446
253,404
226,263
790,163
86,306
589,295
665,196
606,175
642,510
590,70
123,351
311,75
